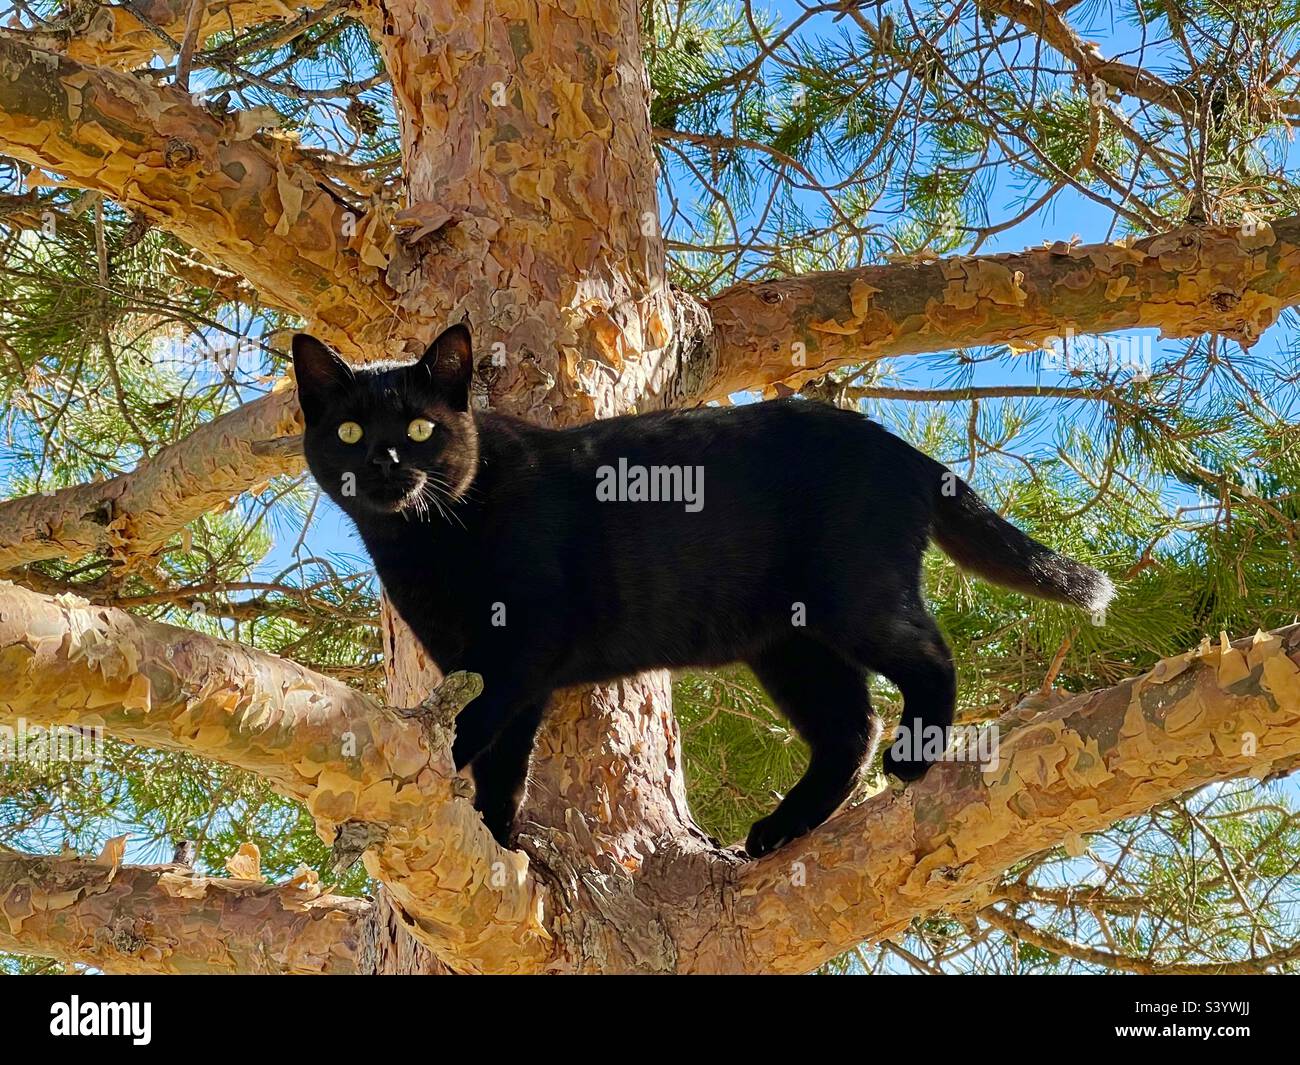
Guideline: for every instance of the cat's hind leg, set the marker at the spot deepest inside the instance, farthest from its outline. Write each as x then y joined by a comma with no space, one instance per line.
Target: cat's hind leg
909,650
825,697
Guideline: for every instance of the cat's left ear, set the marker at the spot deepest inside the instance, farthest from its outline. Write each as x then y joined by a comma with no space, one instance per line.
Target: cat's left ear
449,362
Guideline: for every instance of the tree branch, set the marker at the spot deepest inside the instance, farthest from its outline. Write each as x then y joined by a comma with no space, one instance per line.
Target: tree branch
1105,959
246,201
375,780
128,35
1219,712
1185,282
165,919
138,512
1044,20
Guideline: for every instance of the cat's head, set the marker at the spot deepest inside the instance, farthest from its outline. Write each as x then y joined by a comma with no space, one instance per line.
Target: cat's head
390,438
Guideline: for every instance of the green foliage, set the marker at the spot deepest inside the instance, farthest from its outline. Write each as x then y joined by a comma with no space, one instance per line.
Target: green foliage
741,755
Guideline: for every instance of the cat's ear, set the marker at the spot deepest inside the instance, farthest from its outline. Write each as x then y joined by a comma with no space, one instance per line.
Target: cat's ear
320,374
449,363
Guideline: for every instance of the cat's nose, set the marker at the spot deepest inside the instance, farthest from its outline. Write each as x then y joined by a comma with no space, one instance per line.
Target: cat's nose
385,458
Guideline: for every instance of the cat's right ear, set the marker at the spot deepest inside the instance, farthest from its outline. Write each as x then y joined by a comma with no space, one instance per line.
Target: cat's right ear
320,374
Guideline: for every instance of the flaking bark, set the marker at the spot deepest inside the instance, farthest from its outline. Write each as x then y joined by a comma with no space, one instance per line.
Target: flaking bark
1184,282
137,513
348,759
600,887
164,919
1218,712
248,201
120,37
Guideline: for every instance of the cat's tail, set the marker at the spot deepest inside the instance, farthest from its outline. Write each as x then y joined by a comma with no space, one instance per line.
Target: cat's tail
972,534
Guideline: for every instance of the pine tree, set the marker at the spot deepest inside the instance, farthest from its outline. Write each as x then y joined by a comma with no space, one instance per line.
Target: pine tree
640,206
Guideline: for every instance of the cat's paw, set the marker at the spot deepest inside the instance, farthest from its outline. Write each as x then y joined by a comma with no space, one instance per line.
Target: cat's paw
767,835
904,769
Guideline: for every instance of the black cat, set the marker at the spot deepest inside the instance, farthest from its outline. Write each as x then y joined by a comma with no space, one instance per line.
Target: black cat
787,535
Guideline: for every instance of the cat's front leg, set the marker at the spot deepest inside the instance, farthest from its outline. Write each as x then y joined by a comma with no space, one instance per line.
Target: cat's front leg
501,772
479,724
494,736
517,667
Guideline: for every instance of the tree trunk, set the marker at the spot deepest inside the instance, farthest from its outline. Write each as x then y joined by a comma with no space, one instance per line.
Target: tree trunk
529,159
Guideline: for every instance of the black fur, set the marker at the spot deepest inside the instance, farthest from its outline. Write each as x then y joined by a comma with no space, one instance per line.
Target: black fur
804,560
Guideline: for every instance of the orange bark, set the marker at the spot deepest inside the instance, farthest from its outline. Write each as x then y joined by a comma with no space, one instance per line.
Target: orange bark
164,919
139,512
119,36
248,201
617,881
1184,283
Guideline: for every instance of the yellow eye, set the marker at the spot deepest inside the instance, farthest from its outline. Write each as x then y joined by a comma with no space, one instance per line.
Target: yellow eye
349,432
420,430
